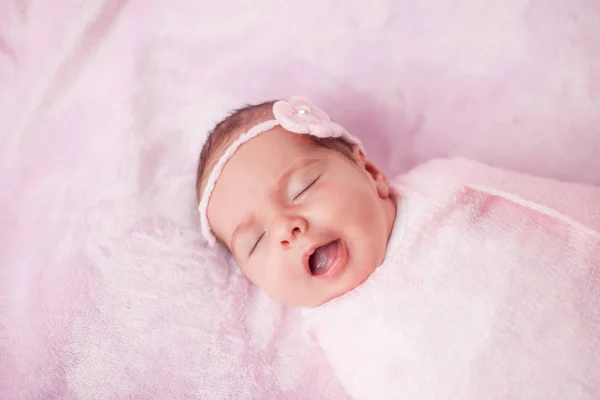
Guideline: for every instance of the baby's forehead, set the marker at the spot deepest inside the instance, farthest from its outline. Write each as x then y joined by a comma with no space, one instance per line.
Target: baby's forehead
252,153
274,147
264,162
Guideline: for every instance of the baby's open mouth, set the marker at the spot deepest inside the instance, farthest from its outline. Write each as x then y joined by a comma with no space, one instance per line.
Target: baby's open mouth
323,258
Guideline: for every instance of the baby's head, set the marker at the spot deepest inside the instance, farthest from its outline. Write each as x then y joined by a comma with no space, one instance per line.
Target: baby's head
294,198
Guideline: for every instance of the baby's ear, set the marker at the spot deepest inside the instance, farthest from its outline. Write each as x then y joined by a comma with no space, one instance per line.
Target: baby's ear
377,176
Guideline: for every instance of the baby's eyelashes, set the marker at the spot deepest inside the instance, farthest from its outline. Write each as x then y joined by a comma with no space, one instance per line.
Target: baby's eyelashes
254,243
302,190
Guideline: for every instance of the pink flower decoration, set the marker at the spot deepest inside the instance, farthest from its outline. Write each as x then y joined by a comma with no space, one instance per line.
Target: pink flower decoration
298,115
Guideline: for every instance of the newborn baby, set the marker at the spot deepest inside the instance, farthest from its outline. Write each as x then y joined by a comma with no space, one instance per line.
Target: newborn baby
304,212
454,281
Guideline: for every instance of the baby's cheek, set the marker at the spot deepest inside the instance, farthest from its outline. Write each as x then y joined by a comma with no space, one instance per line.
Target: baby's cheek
278,282
346,206
362,272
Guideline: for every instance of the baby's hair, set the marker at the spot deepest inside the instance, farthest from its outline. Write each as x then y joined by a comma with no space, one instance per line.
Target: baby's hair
241,120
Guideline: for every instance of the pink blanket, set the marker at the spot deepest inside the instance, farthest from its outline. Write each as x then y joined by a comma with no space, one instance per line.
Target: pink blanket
493,294
105,291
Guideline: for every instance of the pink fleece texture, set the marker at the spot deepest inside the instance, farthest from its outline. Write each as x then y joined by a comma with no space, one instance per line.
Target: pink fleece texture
105,290
492,294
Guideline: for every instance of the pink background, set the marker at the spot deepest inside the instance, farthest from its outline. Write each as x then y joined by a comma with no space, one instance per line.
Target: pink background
105,292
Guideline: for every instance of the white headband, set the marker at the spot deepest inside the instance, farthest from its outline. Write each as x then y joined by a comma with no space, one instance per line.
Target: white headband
297,115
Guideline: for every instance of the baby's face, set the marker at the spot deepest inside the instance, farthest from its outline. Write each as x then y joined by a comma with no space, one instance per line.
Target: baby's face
305,223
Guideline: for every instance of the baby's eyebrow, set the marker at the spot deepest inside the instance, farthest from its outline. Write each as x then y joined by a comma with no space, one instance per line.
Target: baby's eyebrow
295,168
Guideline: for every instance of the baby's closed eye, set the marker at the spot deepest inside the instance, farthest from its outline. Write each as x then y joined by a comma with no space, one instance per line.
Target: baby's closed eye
246,239
254,242
302,190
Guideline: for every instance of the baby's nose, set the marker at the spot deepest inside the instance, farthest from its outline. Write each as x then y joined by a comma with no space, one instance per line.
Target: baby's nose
290,229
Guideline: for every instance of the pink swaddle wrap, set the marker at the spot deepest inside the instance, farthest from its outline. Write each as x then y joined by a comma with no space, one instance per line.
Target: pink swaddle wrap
493,294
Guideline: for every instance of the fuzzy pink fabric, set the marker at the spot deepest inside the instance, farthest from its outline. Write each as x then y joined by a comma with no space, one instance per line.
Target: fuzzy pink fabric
105,292
492,294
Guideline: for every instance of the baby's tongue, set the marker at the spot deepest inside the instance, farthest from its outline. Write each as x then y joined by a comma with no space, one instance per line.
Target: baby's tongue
321,256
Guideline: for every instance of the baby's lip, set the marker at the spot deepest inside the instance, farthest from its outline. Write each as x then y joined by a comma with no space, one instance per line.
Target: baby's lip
337,263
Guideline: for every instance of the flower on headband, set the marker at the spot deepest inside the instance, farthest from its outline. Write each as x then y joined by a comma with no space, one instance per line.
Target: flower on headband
298,115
